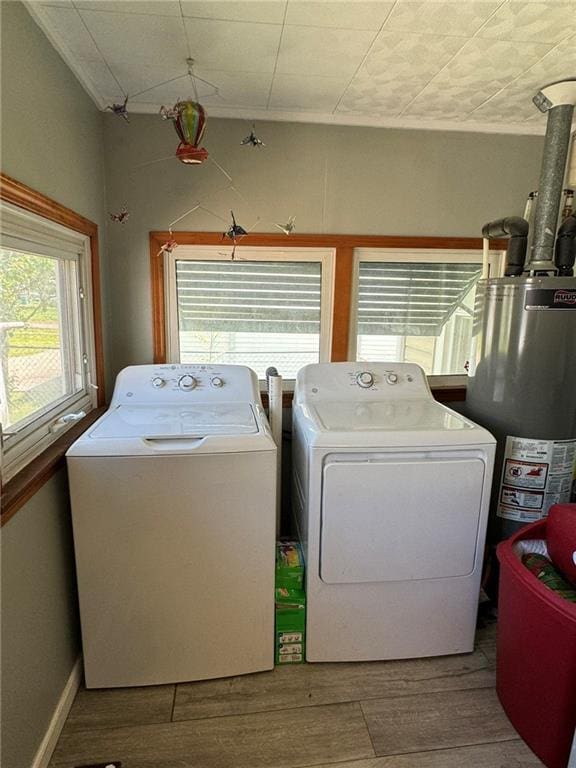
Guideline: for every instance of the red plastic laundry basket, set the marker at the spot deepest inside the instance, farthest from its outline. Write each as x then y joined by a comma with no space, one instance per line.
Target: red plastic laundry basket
536,655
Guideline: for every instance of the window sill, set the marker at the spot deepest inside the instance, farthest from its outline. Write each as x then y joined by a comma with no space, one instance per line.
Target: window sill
20,488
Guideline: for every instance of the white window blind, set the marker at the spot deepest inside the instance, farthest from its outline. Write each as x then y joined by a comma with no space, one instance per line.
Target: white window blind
252,297
416,306
261,309
411,299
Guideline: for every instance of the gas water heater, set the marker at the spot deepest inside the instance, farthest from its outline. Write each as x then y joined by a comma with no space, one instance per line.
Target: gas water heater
522,378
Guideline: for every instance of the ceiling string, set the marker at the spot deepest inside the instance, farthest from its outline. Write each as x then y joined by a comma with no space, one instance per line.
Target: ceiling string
158,85
190,63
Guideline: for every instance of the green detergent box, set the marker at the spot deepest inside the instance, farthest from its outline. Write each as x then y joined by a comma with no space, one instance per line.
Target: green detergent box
290,635
289,565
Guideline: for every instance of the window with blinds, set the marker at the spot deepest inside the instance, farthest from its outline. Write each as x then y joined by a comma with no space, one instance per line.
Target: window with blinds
419,312
250,312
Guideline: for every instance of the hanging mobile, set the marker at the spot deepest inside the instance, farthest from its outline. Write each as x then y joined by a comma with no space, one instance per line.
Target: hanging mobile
121,216
121,110
171,243
189,118
252,140
289,227
168,246
234,232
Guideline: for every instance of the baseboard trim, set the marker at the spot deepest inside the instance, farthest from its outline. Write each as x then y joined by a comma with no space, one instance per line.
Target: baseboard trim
63,707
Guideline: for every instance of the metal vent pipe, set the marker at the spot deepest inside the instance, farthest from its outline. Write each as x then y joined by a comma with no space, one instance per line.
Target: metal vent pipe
558,101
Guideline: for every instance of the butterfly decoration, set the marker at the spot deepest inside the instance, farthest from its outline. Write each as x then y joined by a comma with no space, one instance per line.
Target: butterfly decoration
121,216
234,232
289,227
252,140
121,110
168,246
168,113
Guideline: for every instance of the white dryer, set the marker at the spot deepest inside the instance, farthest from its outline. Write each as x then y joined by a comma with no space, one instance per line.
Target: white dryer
174,509
390,494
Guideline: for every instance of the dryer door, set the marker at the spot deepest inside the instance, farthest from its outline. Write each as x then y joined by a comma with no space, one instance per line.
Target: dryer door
396,518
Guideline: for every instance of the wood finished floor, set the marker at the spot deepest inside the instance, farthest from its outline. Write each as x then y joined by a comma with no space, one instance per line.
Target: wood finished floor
424,713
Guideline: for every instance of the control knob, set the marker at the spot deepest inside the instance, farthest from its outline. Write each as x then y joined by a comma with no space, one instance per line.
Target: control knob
217,382
187,382
392,378
158,382
365,379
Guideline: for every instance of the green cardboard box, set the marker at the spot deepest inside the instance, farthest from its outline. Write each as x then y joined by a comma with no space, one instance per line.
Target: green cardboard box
290,634
289,565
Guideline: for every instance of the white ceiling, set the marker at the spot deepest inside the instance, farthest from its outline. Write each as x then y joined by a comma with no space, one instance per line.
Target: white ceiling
451,64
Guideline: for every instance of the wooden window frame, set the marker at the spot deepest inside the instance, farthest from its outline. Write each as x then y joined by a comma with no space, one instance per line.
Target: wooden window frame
30,479
344,247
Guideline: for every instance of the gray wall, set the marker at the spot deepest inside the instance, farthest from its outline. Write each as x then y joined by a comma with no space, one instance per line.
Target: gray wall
52,135
52,141
333,179
39,623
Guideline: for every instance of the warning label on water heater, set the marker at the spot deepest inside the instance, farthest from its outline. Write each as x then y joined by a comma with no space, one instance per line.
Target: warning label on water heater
536,474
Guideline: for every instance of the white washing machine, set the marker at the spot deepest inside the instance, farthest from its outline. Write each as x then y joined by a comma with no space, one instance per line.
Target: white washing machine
174,511
391,493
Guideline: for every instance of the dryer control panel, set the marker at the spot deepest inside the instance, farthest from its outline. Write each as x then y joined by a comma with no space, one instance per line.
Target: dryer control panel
361,381
171,383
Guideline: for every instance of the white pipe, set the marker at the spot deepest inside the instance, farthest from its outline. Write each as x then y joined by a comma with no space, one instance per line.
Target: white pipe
275,419
485,258
529,205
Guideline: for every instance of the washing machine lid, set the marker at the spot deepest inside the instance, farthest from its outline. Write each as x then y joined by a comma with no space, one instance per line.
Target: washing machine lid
385,423
388,416
176,421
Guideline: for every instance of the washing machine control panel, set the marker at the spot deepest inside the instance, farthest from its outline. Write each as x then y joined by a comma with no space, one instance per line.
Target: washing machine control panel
362,381
187,382
365,379
165,384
